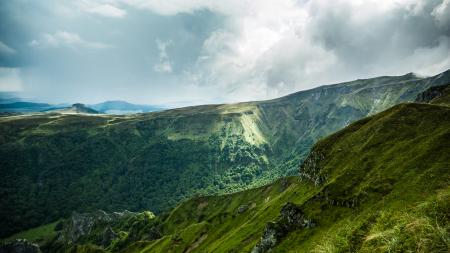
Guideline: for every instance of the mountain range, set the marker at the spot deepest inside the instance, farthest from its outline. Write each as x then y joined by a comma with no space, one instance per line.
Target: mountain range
381,184
59,163
17,105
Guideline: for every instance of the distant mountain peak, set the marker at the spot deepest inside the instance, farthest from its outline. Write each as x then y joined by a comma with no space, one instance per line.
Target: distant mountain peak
123,107
82,108
77,108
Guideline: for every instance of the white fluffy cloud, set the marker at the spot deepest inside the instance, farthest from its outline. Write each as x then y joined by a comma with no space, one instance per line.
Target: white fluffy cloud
270,49
64,38
101,8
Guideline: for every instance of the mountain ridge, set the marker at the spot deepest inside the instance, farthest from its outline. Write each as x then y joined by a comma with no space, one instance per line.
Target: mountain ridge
154,160
365,188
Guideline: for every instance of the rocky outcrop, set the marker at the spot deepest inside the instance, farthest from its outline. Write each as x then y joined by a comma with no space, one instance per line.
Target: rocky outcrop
310,170
81,225
325,196
108,236
242,208
431,93
291,218
19,246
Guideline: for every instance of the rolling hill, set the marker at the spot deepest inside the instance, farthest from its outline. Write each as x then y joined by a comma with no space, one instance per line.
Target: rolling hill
58,163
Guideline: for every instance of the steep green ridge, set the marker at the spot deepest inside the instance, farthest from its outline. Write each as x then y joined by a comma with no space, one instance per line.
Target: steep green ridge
382,184
53,164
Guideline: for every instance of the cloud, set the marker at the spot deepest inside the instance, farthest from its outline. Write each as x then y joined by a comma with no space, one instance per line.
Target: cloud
64,38
442,13
266,50
173,7
220,51
10,79
164,65
5,49
103,9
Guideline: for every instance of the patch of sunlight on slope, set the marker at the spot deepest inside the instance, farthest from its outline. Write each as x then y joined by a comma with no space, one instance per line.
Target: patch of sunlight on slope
244,124
386,101
361,99
252,134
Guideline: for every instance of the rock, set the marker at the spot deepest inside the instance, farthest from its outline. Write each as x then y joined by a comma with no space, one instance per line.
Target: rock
154,233
310,170
270,237
291,218
431,93
19,246
108,236
284,184
81,225
242,208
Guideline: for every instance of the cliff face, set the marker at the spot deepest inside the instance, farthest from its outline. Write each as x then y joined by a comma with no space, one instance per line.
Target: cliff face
58,163
435,94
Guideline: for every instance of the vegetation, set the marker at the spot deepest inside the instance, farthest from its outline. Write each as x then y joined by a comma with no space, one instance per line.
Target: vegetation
53,164
379,185
39,234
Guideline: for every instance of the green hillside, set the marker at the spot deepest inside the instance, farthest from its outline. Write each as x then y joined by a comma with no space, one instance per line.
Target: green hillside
382,184
53,164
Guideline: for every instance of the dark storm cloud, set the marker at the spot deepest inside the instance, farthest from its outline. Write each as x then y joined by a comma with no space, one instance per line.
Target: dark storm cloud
384,39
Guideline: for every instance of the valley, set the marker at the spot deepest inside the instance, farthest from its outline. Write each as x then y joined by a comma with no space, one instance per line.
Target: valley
60,163
379,184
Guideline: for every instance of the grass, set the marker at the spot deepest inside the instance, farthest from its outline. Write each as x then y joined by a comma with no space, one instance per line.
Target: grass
38,234
156,160
394,165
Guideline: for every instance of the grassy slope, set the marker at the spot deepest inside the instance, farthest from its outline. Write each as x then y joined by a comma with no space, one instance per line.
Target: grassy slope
54,164
38,234
396,164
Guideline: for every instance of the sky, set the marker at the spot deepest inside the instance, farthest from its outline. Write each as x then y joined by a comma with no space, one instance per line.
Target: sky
188,52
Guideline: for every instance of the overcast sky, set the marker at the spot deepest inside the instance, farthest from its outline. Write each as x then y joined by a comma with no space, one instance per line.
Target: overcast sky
180,52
